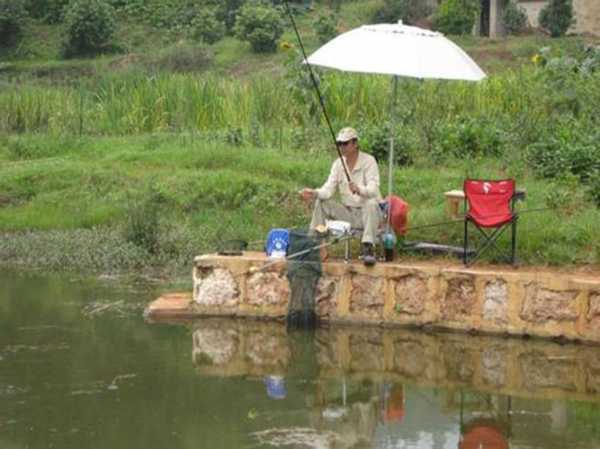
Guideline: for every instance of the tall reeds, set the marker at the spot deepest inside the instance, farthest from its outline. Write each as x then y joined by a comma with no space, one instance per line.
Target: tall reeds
138,103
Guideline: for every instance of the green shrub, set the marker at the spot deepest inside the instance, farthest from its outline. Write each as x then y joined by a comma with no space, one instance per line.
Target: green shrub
557,17
375,139
50,11
183,57
206,27
594,187
227,12
514,18
261,25
12,17
325,27
89,27
468,137
143,221
409,11
456,16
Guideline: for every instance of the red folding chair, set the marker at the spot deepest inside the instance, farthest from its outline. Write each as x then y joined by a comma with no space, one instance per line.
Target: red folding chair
489,205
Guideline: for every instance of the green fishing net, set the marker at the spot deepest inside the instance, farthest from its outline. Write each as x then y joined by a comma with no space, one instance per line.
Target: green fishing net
304,271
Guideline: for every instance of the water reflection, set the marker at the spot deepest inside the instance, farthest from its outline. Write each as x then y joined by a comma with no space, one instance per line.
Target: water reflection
376,388
79,368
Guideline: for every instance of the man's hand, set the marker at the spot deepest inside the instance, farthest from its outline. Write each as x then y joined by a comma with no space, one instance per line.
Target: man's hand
308,194
354,188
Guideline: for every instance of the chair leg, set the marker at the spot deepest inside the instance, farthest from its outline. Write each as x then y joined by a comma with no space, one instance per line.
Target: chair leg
513,241
347,250
465,257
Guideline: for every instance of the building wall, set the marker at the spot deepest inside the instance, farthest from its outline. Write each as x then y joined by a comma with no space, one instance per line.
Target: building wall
587,14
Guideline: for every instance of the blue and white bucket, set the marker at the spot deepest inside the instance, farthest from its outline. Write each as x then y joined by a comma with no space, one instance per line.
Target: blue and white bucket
277,244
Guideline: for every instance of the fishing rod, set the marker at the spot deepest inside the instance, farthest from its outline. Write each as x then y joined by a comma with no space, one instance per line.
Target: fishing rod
316,86
335,240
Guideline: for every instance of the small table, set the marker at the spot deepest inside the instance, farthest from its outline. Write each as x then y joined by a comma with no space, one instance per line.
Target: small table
454,198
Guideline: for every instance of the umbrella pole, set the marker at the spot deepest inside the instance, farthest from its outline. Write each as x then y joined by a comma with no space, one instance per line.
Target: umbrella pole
391,152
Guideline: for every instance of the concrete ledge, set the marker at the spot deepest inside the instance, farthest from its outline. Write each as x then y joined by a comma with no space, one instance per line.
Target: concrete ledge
499,300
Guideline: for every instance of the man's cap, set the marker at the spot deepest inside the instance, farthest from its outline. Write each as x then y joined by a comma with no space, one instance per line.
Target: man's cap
346,134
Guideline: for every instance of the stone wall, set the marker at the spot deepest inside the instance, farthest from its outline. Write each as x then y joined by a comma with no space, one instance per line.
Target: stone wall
500,301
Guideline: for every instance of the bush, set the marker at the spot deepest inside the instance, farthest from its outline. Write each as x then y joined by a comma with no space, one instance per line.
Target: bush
557,17
206,27
468,137
12,17
514,18
51,11
456,16
409,11
375,140
325,28
261,25
89,27
183,57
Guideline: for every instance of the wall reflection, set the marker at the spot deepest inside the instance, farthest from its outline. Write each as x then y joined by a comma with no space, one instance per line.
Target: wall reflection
377,388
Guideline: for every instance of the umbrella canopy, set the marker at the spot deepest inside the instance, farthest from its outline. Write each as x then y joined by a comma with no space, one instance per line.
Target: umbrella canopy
397,49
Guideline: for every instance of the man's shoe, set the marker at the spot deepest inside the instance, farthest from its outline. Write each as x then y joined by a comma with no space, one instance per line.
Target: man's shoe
368,254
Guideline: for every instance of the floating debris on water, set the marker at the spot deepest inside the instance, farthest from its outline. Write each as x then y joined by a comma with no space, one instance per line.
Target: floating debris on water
113,385
13,349
120,308
297,437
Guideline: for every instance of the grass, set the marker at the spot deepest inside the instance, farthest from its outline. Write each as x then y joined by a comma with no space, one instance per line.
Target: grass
85,190
211,142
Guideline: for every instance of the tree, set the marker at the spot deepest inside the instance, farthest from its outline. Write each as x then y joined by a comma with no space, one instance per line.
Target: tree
12,17
514,18
456,16
89,27
557,17
409,11
260,24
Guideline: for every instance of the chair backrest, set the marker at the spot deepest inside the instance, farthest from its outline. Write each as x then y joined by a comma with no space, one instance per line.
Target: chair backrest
489,201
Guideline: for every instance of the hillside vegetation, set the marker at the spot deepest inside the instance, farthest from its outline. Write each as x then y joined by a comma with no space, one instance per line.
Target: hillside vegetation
165,144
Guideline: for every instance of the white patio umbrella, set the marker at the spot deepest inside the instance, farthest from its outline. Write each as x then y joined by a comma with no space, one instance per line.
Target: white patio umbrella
398,50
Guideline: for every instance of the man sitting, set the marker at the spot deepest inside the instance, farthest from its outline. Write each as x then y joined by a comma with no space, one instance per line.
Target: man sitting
359,197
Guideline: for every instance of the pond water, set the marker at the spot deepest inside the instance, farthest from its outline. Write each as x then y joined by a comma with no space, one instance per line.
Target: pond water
80,368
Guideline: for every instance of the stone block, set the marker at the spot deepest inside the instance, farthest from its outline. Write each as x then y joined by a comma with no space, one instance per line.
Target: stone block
495,301
268,289
410,294
216,287
542,304
326,297
460,299
594,308
367,295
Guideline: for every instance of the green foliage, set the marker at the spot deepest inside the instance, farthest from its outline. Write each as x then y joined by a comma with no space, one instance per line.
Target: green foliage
468,137
325,27
409,11
143,221
557,17
51,11
89,27
375,139
260,24
183,57
12,17
456,16
514,18
206,27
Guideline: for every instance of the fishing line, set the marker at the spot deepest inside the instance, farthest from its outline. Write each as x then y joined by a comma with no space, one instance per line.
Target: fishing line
316,86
